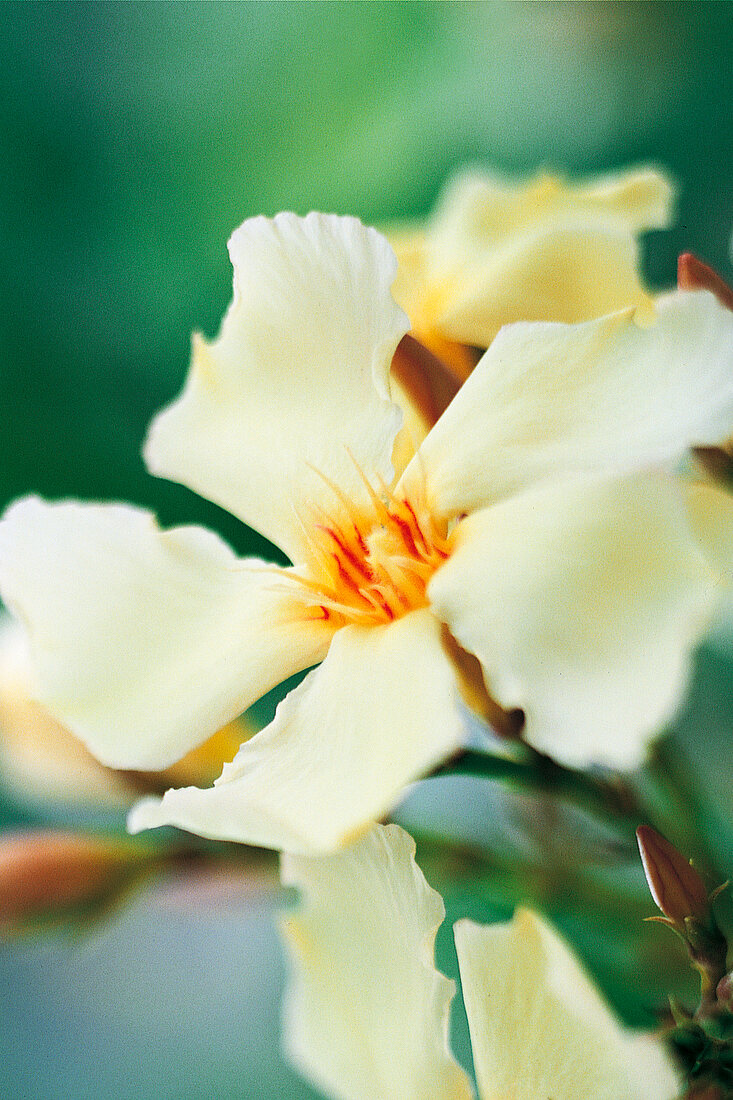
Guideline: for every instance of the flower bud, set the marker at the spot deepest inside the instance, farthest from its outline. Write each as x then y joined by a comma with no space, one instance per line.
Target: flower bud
675,885
44,872
724,992
693,274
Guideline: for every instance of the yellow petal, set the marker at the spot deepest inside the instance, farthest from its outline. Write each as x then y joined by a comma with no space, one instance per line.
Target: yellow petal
381,711
297,380
145,642
539,1027
565,271
366,1015
499,251
409,245
204,763
583,602
643,197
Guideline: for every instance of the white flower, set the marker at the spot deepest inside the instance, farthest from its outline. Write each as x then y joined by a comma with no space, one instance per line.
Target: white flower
536,525
366,1015
497,251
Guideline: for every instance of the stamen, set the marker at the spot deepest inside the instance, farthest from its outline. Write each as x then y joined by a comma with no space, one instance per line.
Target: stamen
416,526
359,564
348,505
375,567
378,504
407,536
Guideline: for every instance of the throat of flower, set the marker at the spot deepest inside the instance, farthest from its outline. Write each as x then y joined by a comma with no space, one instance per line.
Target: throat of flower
371,565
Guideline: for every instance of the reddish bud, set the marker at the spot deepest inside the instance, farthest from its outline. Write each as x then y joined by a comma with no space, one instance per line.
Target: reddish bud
724,991
48,871
675,885
693,274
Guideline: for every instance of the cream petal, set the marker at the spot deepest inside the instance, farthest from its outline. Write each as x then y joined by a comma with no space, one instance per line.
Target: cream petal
413,431
381,711
605,396
145,641
556,272
582,601
539,1026
296,383
366,1014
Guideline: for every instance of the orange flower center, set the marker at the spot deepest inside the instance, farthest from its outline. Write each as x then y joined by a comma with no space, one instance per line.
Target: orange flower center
372,565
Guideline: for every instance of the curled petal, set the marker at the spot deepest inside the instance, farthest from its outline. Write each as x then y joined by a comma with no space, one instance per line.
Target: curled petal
606,396
583,602
498,251
539,1027
366,1016
541,250
340,750
297,380
145,642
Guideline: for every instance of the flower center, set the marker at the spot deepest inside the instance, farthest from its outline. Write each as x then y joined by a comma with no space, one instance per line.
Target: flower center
372,565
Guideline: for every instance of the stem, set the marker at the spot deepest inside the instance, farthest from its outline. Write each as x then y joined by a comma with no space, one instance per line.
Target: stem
606,797
665,798
671,792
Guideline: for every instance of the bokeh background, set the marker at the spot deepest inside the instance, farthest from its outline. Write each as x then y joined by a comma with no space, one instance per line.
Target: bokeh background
133,138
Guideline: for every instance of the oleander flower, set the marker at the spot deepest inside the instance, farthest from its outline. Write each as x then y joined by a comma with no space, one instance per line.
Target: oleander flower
536,536
496,251
366,1013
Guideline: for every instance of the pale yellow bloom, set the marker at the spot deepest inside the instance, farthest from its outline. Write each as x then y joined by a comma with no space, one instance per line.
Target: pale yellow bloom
538,526
496,251
366,1014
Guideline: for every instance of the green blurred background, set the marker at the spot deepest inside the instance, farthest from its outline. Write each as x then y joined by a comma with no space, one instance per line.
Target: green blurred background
133,138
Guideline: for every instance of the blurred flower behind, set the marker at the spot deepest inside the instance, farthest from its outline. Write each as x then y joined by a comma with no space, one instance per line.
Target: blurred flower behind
497,251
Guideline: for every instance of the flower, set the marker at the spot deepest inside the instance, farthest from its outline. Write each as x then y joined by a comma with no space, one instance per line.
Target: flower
366,1013
536,528
496,251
